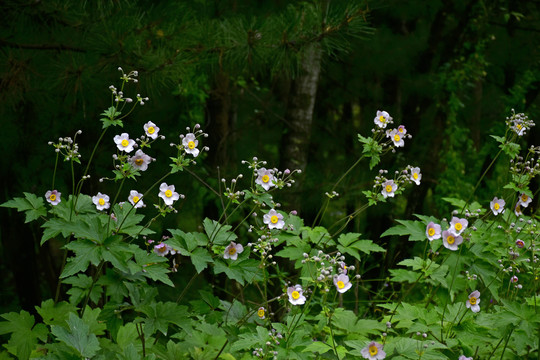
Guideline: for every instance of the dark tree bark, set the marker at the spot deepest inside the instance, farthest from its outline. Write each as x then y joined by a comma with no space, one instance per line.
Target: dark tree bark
299,114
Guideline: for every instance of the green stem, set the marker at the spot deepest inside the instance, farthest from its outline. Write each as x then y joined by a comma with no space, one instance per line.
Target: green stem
449,294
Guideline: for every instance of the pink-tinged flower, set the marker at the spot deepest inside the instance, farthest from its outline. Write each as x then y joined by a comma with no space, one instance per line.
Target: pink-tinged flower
265,178
416,176
101,201
140,160
463,357
382,119
457,226
401,129
451,241
524,200
53,197
389,188
135,198
396,137
124,143
273,219
261,313
232,251
474,300
517,209
167,193
373,351
163,249
190,143
514,279
497,206
151,130
296,296
433,231
520,243
342,283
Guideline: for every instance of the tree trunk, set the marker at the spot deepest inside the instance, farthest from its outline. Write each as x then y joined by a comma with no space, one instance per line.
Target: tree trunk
299,114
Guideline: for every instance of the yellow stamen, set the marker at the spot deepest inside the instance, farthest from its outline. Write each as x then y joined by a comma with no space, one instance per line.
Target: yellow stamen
139,162
472,300
125,143
295,295
524,197
101,202
52,197
151,130
260,312
388,188
265,178
496,206
232,250
373,350
450,239
382,119
135,199
458,226
397,137
415,175
340,284
168,193
431,231
274,219
191,145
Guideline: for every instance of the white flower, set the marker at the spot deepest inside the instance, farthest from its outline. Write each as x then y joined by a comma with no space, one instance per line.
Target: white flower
232,251
296,296
342,283
457,226
167,193
53,197
451,241
524,200
273,219
396,137
373,351
101,201
517,209
433,231
151,130
382,119
163,249
463,357
389,188
124,143
265,178
190,143
519,127
261,313
497,206
416,176
401,129
140,160
135,199
474,300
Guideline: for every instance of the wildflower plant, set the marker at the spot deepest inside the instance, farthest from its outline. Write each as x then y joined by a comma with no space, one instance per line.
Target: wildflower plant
278,288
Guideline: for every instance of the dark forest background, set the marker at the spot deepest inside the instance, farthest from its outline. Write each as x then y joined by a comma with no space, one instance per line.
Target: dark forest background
289,82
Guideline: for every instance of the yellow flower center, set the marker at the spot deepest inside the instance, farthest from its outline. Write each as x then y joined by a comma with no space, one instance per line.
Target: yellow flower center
151,130
295,295
101,202
388,188
191,145
415,175
373,350
232,250
431,231
265,178
340,284
458,226
382,119
135,199
496,206
139,162
397,137
450,239
519,126
274,219
168,193
524,197
472,300
162,249
125,143
400,130
52,197
260,312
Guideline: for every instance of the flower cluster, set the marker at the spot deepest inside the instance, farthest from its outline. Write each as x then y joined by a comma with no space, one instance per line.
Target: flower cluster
391,187
269,178
519,123
452,236
68,147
